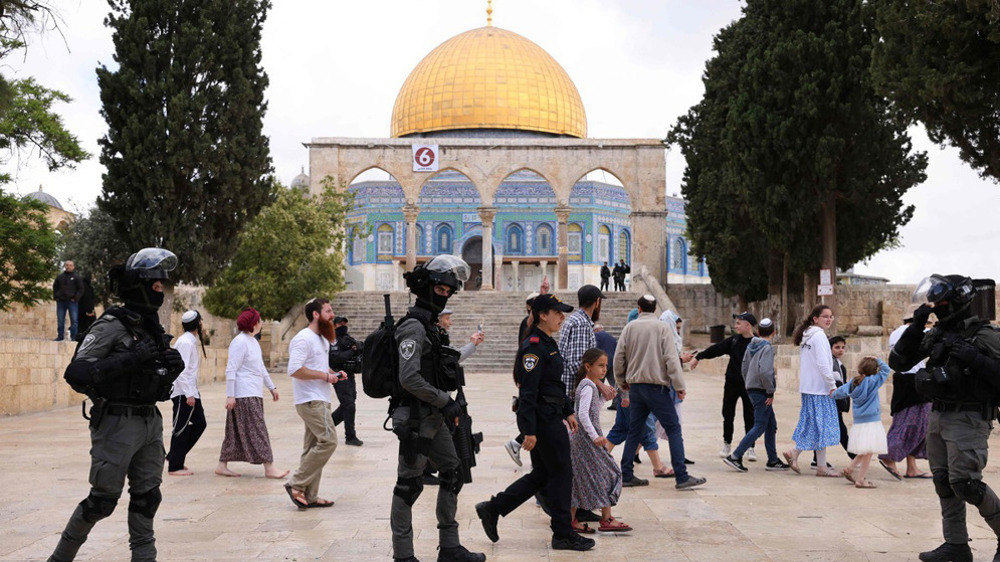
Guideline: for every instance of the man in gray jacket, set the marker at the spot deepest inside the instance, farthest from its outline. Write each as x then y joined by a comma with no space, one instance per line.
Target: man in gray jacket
760,380
646,364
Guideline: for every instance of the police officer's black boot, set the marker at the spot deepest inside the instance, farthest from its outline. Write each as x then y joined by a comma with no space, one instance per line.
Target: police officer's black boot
948,552
460,554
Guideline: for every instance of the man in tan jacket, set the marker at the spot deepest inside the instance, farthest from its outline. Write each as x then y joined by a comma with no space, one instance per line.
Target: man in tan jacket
646,364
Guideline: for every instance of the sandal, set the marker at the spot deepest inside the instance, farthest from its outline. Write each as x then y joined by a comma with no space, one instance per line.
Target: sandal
320,503
793,463
668,473
827,474
865,484
583,529
298,497
890,470
612,525
847,473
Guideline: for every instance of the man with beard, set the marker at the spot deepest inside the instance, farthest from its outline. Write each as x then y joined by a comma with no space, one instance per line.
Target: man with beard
125,367
344,352
309,367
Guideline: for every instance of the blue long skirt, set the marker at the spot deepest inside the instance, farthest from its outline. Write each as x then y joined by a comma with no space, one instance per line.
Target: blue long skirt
818,426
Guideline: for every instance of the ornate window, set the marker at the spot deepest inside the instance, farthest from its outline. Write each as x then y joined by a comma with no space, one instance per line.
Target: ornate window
418,240
385,240
443,239
624,246
575,239
515,239
543,234
678,255
603,243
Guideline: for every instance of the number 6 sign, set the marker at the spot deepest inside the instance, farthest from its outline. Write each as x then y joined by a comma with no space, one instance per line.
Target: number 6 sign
425,158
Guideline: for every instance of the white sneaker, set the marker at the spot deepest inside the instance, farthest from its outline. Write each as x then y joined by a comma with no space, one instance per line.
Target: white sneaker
514,450
751,455
725,450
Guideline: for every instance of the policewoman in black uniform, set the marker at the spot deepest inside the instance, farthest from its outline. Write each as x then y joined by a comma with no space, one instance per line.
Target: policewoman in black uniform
543,407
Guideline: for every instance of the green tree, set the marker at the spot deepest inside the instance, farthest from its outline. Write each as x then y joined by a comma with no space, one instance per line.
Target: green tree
94,246
284,255
940,64
187,161
27,256
720,228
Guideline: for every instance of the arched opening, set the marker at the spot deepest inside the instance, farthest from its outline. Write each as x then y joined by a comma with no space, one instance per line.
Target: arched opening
385,242
601,206
472,253
378,200
624,251
604,254
575,240
418,238
514,240
678,255
444,235
525,199
544,240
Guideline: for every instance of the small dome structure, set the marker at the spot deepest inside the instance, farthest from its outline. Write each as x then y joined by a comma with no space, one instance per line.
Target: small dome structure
46,198
301,180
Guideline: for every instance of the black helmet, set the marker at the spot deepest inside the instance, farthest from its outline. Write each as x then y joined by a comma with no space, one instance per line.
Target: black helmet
950,294
133,281
445,269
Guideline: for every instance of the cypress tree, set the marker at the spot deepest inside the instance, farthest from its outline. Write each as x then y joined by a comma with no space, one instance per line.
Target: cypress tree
187,162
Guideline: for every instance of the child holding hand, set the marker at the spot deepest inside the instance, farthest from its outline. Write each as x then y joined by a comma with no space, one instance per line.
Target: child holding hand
597,478
867,435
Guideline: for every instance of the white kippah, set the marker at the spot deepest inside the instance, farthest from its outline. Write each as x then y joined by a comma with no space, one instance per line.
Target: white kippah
189,316
649,297
765,323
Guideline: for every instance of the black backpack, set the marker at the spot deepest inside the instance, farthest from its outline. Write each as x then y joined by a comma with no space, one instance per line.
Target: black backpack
380,359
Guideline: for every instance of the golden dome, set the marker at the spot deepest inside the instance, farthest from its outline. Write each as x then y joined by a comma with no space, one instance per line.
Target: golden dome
489,78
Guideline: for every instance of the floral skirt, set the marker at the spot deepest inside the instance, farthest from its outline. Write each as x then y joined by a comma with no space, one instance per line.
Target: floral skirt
246,437
908,433
818,425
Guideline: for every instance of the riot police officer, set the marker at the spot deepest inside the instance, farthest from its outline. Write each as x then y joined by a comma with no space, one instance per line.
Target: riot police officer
962,378
542,407
125,365
428,371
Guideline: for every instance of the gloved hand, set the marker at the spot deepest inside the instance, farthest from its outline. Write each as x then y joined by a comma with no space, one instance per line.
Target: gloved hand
451,410
922,314
144,350
964,351
173,361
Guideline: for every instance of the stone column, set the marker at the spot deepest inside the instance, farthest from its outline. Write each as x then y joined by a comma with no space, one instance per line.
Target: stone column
410,212
562,268
486,216
544,266
649,235
517,284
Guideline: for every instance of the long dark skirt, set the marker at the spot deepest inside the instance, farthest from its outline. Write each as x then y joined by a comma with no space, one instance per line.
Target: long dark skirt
246,434
908,434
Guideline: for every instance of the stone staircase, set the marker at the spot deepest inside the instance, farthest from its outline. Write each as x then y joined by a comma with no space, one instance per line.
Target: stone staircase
499,313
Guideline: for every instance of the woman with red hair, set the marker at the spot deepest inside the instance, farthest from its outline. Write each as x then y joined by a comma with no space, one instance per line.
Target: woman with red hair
246,437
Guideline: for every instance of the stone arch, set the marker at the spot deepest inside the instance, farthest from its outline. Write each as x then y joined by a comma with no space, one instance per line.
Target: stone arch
528,185
444,186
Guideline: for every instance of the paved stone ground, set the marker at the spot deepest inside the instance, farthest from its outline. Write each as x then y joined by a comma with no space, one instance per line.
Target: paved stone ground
754,516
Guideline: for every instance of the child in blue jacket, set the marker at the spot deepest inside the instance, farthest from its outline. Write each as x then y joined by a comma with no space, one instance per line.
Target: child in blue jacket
867,436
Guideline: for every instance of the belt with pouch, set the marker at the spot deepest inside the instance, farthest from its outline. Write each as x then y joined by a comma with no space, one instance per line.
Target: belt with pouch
131,410
940,406
557,400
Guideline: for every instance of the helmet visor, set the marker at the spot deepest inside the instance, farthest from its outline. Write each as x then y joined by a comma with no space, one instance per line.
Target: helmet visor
448,263
931,290
152,263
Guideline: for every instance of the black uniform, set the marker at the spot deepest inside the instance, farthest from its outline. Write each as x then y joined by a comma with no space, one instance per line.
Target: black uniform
605,275
961,417
735,388
344,350
542,407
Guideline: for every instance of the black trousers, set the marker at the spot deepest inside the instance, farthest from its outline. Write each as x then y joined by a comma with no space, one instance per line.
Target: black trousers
733,391
551,471
189,424
347,395
604,283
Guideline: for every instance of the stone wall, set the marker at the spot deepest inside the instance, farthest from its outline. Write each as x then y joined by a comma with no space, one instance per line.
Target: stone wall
31,374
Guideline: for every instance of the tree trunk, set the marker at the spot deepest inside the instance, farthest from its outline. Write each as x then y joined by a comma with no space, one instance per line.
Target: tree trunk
828,240
786,313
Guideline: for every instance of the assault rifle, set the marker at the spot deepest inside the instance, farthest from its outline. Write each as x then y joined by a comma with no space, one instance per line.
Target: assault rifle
466,442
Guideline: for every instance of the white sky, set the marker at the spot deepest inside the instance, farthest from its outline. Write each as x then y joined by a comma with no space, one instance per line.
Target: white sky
335,68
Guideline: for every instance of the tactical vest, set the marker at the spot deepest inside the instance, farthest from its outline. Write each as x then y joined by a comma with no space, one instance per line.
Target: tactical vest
962,385
438,366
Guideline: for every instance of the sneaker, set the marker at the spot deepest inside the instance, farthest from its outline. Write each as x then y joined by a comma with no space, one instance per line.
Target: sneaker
948,552
634,482
488,516
354,442
725,450
572,542
776,465
636,459
688,461
812,465
514,450
691,482
751,455
735,463
460,554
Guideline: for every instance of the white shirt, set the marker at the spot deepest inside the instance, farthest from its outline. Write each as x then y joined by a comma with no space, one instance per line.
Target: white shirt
187,382
894,338
815,363
246,374
312,351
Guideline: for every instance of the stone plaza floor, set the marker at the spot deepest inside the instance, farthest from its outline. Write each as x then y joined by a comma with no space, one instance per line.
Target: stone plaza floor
754,516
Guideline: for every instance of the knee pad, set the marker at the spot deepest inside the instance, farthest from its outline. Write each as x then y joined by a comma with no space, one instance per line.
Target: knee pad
971,491
408,489
941,485
451,480
96,508
146,503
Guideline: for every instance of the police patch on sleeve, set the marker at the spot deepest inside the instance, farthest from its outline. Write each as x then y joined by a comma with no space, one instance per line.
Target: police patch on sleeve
87,342
529,361
406,348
